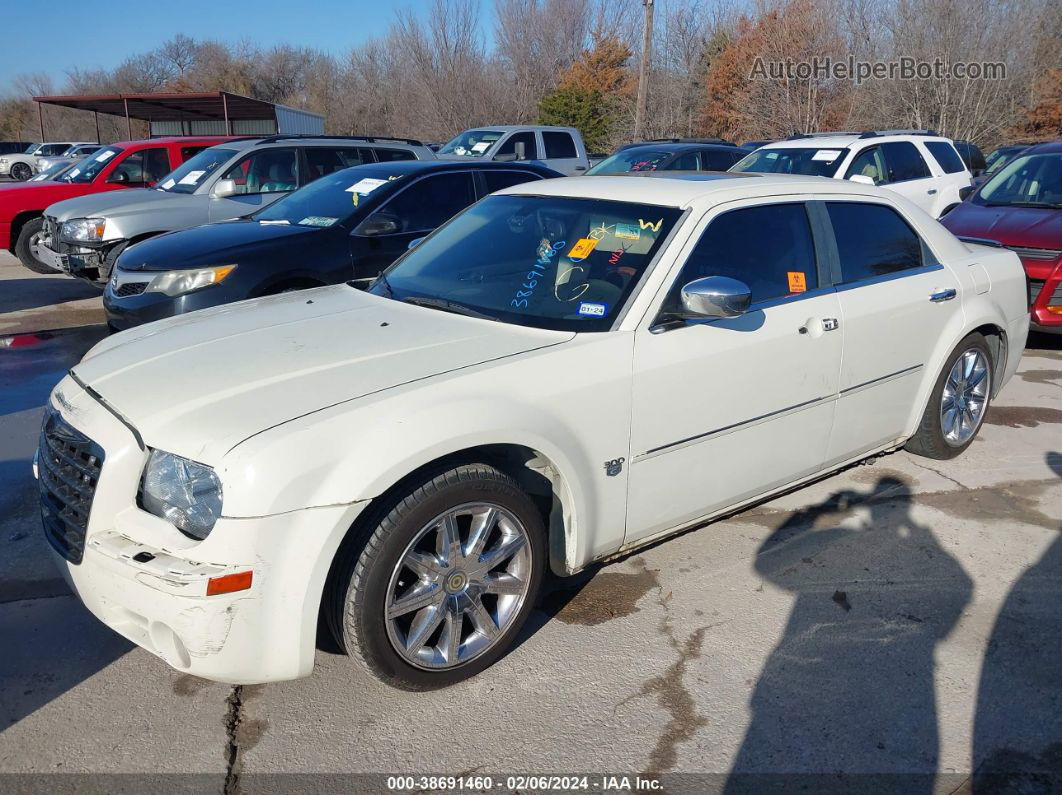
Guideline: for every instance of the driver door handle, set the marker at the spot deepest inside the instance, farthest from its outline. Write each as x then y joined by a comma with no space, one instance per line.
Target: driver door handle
943,295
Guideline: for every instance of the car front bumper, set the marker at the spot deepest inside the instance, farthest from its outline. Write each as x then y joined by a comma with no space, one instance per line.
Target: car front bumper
80,264
148,582
128,311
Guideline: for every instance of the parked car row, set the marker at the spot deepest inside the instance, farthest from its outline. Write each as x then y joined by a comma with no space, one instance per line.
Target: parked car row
24,164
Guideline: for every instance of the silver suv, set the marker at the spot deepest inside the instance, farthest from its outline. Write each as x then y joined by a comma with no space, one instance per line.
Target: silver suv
84,236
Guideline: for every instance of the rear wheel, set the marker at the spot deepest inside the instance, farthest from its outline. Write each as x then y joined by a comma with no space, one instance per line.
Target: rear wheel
958,403
26,247
445,581
21,172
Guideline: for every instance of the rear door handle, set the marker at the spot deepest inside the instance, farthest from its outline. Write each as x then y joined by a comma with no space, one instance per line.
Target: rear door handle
943,295
931,192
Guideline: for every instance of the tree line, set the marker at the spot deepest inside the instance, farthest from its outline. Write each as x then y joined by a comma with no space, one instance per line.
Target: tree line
575,62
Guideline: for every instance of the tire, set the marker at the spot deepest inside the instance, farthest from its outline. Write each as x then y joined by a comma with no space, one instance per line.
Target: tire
24,247
939,438
108,263
21,172
372,578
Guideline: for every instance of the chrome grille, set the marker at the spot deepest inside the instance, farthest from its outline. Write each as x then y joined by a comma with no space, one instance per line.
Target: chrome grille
130,288
68,469
1036,254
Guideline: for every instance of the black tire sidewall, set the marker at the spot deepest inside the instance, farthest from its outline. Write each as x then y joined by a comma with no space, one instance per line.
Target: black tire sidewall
21,168
22,247
363,622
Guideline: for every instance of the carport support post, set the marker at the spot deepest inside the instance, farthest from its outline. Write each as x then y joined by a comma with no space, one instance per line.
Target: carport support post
128,123
96,116
40,119
225,110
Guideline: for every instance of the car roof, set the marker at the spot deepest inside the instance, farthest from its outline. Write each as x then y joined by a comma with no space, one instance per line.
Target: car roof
672,146
1047,147
398,167
844,140
684,190
210,140
511,127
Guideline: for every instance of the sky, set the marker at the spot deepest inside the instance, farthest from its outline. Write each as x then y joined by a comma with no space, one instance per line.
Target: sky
86,35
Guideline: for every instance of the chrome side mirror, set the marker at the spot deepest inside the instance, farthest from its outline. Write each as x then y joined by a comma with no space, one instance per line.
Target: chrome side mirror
224,187
716,296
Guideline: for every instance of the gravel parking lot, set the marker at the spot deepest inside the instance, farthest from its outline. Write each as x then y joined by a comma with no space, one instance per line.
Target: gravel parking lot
897,626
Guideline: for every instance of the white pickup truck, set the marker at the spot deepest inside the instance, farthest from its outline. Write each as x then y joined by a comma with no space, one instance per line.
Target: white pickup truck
559,148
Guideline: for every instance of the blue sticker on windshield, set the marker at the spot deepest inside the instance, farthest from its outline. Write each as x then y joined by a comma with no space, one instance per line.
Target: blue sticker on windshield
593,310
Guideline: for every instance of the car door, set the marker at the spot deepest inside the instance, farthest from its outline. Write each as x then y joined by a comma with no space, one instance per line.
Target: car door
896,300
414,211
494,179
260,178
561,152
729,408
909,175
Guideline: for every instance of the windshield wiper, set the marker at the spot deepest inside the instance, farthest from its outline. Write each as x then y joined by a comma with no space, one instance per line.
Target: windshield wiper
446,306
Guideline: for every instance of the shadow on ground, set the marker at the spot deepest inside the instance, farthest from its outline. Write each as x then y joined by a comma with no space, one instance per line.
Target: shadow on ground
21,294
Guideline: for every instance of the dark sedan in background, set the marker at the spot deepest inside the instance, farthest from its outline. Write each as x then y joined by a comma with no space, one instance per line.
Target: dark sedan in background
673,154
347,226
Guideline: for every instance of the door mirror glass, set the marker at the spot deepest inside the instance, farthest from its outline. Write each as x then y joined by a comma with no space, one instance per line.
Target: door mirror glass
119,177
378,224
861,179
224,187
715,296
414,242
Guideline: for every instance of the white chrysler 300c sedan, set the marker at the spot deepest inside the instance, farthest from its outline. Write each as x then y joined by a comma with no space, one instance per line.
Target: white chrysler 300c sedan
562,372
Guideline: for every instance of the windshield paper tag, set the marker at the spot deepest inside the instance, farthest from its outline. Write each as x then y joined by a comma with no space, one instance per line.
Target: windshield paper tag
103,157
366,185
829,155
582,248
627,231
317,220
74,173
482,146
797,282
191,177
593,310
167,184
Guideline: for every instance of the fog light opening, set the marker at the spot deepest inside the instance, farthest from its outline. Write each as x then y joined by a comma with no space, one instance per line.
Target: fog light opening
169,646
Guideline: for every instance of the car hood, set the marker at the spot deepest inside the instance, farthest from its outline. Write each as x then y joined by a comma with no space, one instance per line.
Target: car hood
129,201
199,384
1029,227
211,244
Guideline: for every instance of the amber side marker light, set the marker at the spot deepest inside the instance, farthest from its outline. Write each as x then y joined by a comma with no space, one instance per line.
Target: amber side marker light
1055,310
230,583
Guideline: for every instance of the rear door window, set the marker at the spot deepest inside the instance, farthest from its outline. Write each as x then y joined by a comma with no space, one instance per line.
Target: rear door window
719,159
773,266
687,161
872,240
558,145
904,161
496,180
946,156
385,155
325,160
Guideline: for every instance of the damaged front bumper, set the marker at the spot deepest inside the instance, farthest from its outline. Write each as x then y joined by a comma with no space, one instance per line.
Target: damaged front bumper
150,583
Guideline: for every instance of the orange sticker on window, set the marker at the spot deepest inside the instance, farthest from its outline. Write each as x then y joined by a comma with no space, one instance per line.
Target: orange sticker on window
797,282
582,248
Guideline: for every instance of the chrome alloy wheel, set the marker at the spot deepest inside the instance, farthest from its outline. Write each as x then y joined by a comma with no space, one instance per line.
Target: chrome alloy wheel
458,586
965,397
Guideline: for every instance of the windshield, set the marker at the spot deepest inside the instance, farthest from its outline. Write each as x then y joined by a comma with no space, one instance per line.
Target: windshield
1026,181
52,172
193,172
543,261
328,200
472,143
88,169
634,159
1000,158
811,162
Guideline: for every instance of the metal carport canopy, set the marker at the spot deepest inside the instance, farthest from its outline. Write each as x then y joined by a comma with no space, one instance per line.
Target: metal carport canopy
214,105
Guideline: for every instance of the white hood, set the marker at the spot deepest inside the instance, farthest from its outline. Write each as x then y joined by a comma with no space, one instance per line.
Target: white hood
199,384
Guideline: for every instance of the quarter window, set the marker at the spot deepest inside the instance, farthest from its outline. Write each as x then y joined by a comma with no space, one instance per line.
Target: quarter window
559,145
872,240
769,248
904,161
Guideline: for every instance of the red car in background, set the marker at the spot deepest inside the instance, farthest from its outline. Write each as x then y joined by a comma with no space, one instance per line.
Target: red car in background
1020,207
126,164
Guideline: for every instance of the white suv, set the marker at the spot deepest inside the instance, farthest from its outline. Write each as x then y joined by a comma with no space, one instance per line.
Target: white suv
918,164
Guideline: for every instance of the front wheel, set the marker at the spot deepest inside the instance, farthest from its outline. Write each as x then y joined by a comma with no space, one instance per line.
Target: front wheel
445,581
958,402
26,247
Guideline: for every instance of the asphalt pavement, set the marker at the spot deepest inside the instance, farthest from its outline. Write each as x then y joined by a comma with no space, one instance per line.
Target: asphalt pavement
897,627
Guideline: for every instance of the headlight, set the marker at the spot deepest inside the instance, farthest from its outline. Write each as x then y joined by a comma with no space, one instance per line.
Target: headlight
83,230
181,282
185,493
